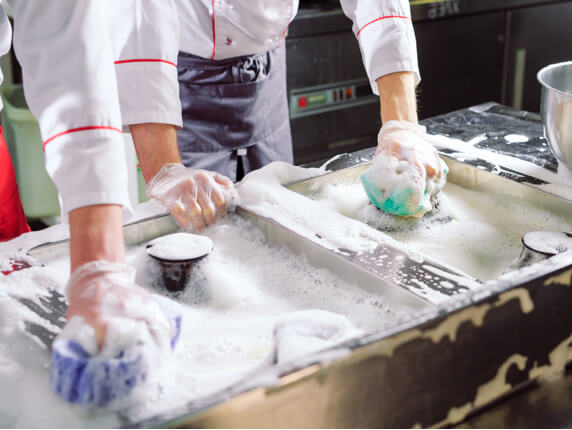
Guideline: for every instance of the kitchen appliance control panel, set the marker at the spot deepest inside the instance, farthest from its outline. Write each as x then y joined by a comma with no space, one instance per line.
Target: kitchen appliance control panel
324,98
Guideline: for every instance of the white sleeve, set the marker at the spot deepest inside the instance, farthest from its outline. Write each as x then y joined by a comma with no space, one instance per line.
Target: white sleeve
146,45
70,86
385,34
5,39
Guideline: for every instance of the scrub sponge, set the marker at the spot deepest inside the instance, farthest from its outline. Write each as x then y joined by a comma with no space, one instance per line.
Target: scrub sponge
90,379
398,181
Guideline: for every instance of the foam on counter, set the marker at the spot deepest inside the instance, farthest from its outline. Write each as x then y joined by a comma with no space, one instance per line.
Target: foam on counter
476,233
26,399
262,192
559,183
179,247
251,283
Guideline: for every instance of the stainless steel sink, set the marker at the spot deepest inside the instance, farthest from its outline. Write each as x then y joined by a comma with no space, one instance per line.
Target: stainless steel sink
464,344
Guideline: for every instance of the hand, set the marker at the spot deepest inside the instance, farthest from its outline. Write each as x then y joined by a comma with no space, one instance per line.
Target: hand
406,172
192,195
103,293
406,141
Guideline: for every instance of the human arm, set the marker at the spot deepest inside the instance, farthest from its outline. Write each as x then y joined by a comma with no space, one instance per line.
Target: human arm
398,111
385,34
406,172
150,106
70,84
397,98
194,196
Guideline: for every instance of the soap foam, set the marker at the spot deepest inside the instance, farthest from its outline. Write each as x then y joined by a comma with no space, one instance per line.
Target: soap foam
464,230
251,283
179,247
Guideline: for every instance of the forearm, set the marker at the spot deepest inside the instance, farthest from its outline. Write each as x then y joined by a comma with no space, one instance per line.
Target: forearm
397,97
96,233
156,145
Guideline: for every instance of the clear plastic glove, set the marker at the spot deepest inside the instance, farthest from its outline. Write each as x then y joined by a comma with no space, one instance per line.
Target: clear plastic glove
406,172
116,337
105,295
193,196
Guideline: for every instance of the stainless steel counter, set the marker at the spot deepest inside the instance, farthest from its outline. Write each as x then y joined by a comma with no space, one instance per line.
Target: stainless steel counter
447,363
446,360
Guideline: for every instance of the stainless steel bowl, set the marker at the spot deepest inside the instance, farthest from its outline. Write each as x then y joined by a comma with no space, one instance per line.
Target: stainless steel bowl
556,109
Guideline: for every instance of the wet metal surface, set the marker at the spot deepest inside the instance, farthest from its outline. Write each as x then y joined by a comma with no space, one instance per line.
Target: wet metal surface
489,124
449,359
446,363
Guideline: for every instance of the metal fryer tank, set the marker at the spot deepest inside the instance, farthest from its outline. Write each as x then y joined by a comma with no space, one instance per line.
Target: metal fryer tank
458,350
448,360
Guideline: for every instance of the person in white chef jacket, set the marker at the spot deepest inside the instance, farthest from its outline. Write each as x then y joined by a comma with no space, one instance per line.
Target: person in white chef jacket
232,78
91,69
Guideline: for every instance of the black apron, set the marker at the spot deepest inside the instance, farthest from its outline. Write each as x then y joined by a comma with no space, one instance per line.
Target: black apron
234,108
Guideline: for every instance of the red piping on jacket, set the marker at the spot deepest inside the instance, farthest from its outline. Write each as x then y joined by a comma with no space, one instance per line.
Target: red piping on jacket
379,19
214,32
145,60
289,21
73,130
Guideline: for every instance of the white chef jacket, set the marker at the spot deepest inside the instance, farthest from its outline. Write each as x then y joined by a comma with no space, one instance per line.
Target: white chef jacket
221,29
89,68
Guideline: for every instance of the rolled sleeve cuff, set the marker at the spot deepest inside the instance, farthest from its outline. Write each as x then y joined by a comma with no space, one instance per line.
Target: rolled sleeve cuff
148,91
89,168
79,200
388,46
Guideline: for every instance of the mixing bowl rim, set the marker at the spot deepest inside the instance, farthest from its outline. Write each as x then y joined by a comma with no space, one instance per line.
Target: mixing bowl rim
546,69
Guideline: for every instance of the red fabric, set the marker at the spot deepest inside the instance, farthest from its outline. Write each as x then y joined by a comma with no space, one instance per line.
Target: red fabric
214,32
379,19
74,130
145,60
12,219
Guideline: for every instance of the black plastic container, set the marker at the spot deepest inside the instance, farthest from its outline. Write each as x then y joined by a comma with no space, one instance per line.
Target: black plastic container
174,264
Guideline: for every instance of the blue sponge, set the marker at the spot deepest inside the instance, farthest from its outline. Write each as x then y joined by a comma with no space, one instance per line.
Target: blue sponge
80,378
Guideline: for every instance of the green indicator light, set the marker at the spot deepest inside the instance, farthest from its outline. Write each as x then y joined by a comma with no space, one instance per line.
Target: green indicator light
317,98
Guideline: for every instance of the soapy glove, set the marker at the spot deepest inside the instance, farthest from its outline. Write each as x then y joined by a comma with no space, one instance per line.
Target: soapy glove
116,335
193,196
406,171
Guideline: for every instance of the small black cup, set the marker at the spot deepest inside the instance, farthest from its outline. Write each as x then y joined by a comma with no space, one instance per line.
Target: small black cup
175,273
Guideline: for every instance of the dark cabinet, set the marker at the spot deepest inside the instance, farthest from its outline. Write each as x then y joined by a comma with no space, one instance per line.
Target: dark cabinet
470,52
461,62
536,37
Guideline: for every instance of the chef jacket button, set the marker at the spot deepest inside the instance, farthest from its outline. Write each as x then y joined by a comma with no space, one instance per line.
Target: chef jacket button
228,41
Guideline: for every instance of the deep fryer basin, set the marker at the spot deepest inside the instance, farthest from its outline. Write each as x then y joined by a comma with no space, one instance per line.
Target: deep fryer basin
454,353
446,361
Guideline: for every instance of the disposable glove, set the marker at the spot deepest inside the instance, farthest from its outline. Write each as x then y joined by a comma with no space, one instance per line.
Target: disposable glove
406,171
117,333
193,196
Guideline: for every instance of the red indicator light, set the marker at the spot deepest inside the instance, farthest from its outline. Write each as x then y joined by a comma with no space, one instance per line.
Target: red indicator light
349,93
302,102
